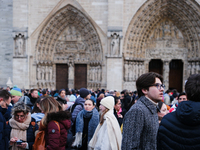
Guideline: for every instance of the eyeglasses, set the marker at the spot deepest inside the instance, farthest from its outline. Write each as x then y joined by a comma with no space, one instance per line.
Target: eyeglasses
19,116
158,85
182,99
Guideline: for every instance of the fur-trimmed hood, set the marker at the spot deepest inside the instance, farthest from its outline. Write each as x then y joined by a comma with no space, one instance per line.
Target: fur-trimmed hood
59,116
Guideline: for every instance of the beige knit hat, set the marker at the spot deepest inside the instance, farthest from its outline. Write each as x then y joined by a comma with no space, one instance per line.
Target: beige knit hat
108,102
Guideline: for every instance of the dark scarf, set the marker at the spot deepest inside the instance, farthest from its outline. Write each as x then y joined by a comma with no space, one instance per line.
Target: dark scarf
93,123
33,100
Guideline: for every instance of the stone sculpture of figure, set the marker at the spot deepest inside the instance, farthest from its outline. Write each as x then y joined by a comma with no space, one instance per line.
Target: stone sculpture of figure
95,74
167,30
50,73
126,71
69,33
189,69
74,36
99,73
115,45
136,70
71,71
141,69
20,45
193,68
130,71
43,72
38,73
197,68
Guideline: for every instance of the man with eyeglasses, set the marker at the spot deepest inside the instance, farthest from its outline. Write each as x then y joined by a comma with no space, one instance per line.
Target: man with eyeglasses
180,130
5,99
181,97
141,124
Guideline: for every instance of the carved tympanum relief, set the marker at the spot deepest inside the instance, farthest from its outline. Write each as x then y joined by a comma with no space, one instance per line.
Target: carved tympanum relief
68,34
163,21
166,41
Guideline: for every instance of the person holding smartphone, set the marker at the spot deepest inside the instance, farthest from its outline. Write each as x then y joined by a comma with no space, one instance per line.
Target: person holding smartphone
22,127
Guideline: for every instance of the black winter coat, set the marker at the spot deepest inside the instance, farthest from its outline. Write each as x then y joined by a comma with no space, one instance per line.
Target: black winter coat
3,135
180,130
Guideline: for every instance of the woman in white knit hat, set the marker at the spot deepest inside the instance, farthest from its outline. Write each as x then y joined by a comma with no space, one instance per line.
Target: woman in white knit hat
107,135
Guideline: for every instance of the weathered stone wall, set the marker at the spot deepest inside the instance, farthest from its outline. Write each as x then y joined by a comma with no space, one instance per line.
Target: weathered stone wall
120,24
6,40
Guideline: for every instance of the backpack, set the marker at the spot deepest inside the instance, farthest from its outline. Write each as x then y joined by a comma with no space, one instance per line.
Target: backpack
39,143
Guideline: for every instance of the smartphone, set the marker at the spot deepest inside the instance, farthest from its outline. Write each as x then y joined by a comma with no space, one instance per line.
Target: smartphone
19,142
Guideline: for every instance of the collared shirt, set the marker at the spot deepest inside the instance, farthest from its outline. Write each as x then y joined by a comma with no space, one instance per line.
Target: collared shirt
156,104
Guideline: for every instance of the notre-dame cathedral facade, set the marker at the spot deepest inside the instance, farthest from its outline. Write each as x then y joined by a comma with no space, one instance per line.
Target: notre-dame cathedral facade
98,43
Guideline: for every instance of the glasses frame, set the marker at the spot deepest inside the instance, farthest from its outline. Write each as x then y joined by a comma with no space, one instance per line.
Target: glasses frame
20,116
158,85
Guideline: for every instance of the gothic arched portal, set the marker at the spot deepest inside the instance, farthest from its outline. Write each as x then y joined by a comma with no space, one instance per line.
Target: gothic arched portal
166,30
70,38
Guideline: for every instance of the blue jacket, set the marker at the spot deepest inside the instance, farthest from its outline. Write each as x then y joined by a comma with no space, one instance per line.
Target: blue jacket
30,133
181,129
78,108
3,135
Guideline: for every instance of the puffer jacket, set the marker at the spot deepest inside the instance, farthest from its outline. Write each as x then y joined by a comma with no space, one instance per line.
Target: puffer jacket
79,106
56,140
181,129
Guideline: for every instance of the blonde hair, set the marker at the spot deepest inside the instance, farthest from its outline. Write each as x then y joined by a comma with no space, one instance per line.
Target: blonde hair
49,105
102,115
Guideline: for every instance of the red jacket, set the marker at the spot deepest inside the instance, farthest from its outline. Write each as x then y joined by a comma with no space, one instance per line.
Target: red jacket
56,140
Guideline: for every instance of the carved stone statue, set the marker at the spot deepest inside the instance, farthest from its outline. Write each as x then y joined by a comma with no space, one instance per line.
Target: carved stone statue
126,71
50,73
167,30
20,45
136,70
130,76
38,73
71,71
115,45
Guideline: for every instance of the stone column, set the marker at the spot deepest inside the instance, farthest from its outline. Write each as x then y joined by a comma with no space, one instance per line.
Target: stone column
166,74
71,76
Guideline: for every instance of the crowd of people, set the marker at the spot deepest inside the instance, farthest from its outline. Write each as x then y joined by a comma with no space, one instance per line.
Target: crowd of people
149,118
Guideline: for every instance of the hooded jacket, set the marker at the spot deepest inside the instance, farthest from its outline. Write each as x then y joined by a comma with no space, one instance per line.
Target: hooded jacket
181,129
56,140
79,106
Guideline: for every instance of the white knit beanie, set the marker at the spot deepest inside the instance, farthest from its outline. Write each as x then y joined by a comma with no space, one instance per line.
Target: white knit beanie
108,102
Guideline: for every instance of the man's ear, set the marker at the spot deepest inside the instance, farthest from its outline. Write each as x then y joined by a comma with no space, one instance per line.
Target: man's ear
1,99
145,91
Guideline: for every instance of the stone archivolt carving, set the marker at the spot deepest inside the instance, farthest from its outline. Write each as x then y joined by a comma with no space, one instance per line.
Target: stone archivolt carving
133,69
69,33
173,30
20,47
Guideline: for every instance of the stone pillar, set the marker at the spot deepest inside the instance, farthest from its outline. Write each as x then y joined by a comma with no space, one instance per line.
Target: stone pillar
166,74
114,73
71,76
